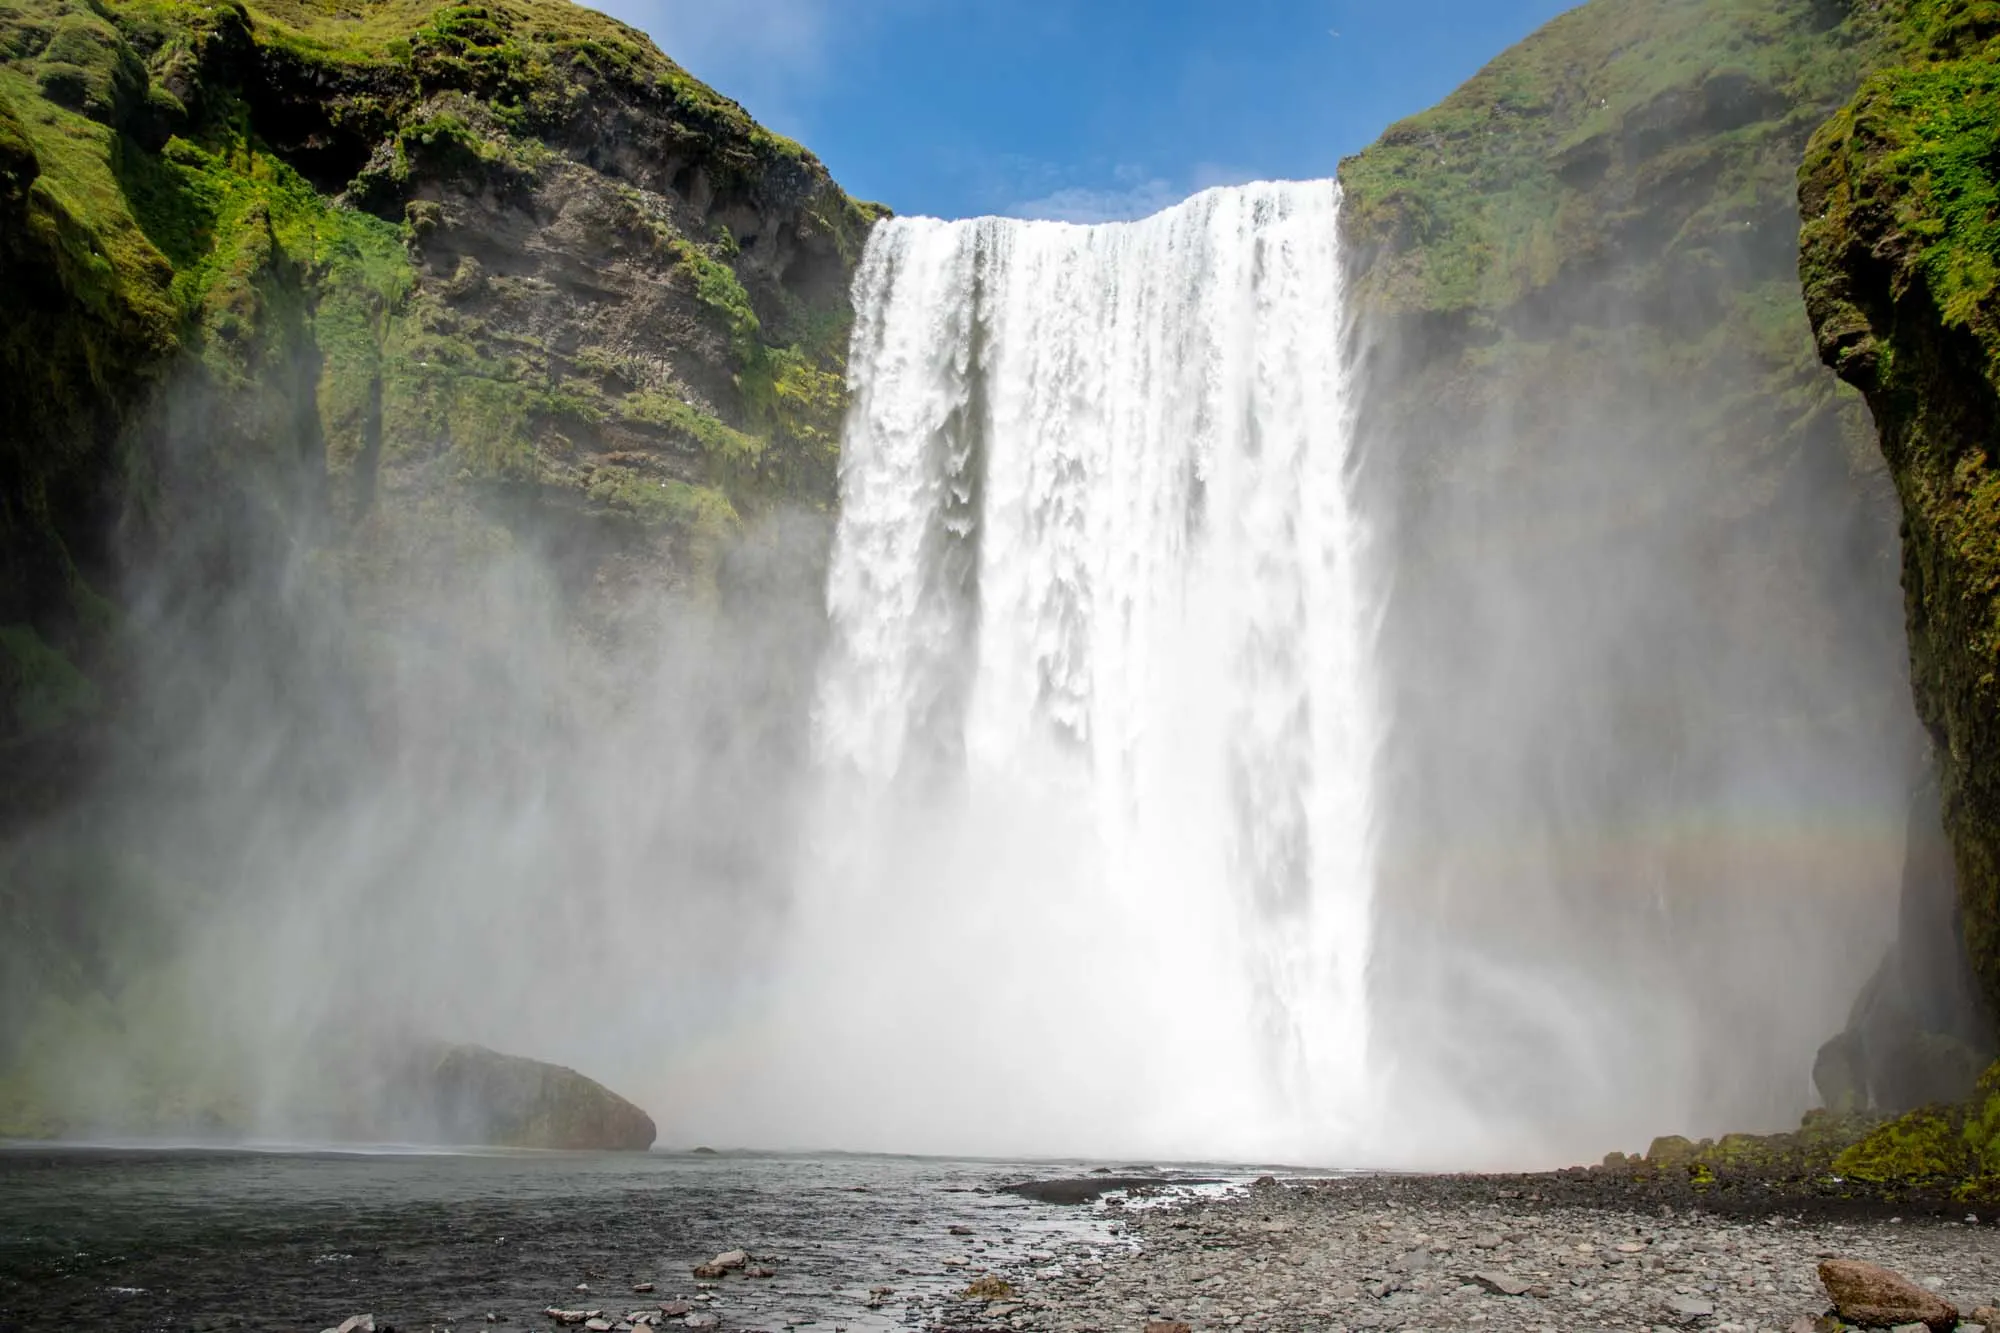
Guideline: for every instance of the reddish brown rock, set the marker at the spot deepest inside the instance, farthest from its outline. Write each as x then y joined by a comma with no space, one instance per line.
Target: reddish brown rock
1877,1297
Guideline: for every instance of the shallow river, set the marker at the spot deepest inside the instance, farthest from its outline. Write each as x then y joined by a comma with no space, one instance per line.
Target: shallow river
152,1239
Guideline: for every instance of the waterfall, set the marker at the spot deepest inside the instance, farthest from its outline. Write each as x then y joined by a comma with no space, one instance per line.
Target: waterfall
1096,705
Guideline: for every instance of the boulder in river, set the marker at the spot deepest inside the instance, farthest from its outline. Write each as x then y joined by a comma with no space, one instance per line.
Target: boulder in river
481,1096
370,1088
1877,1297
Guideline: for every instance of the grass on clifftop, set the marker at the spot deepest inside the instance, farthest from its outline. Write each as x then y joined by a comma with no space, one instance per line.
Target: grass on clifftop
1920,137
1558,142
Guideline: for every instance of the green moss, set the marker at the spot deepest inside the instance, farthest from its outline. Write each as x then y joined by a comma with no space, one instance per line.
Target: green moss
794,393
88,67
731,448
43,690
717,287
77,210
1922,1148
657,502
1982,1125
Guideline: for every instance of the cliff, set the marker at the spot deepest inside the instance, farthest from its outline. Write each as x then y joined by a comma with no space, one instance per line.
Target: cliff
394,398
1899,257
403,283
1640,651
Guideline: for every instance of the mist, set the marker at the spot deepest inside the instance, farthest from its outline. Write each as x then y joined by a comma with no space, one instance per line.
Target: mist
1193,751
1651,738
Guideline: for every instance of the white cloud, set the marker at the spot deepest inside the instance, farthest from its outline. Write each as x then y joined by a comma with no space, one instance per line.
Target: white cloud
1080,203
1132,192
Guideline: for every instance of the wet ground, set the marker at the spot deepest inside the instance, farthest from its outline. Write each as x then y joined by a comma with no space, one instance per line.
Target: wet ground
154,1240
197,1240
1501,1255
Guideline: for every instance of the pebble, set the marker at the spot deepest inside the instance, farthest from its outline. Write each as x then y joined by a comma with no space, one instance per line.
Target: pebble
1407,1253
1500,1284
360,1323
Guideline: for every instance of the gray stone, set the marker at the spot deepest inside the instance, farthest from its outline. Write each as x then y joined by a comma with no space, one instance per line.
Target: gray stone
1688,1308
1501,1284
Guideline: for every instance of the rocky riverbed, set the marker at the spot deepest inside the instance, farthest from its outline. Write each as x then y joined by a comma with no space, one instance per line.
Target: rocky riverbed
602,1244
1446,1253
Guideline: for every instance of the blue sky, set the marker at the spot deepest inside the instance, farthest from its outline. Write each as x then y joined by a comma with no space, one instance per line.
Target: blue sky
1084,109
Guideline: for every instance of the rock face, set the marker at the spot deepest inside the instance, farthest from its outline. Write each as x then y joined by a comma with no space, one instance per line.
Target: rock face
1918,1032
407,286
335,337
1622,500
1877,1297
1898,262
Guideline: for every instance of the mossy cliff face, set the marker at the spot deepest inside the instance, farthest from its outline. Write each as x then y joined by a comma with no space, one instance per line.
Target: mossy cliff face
1641,653
1900,257
396,401
404,284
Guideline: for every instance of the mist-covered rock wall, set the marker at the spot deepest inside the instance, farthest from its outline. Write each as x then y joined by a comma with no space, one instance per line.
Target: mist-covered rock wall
1899,259
1650,745
400,406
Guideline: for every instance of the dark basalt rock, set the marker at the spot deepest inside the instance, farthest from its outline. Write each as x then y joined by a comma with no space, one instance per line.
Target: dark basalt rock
1086,1189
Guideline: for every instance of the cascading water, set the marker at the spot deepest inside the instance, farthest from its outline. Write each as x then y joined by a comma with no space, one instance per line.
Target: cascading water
1095,717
